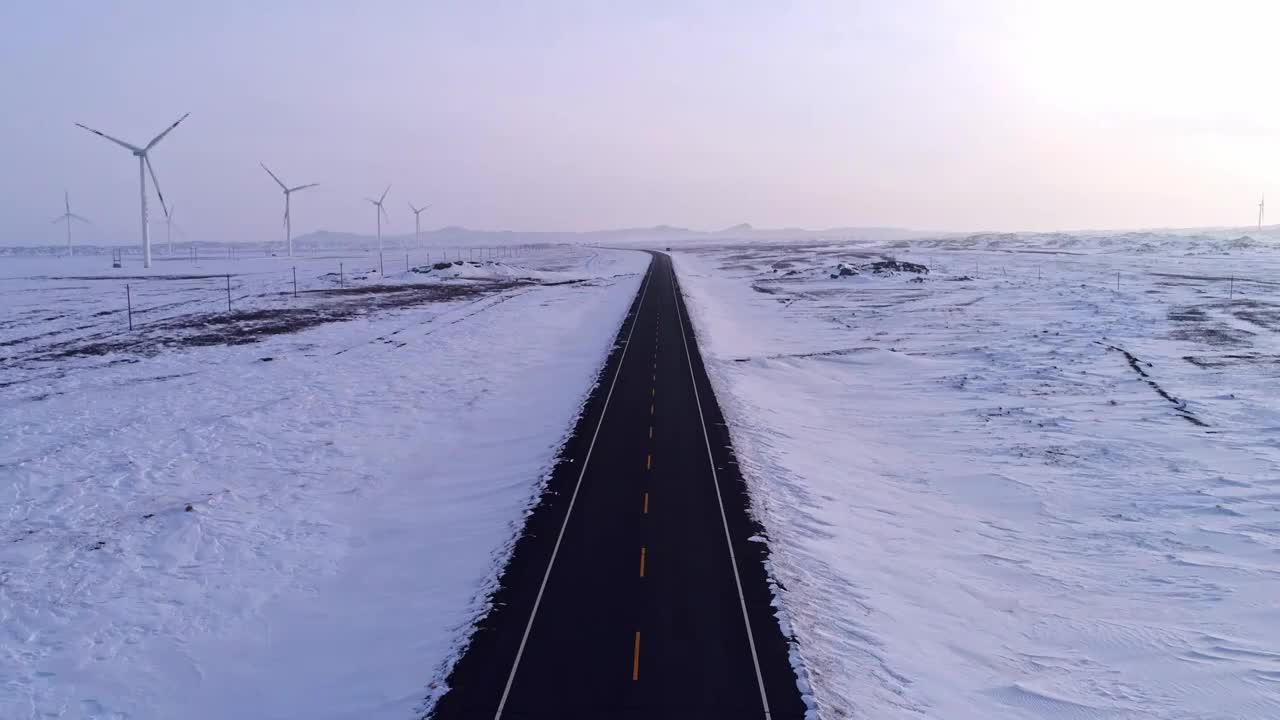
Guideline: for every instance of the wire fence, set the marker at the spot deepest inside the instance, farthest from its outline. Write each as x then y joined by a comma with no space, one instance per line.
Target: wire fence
46,311
163,297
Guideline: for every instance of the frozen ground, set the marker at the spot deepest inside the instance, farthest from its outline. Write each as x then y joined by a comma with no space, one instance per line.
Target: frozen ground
301,523
1012,490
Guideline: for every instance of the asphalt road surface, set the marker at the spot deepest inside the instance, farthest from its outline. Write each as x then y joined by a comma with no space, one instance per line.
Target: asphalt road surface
634,591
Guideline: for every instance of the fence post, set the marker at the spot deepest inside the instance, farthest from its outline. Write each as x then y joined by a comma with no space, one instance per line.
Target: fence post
128,300
406,262
228,293
341,278
295,282
1117,281
1231,294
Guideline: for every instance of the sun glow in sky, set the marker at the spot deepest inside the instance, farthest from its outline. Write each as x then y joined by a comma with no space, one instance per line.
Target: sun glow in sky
965,115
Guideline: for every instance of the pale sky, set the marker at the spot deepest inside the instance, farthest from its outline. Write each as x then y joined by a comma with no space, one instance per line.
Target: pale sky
964,115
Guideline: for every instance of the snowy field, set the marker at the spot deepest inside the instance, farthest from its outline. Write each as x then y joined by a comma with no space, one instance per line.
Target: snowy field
1008,489
291,510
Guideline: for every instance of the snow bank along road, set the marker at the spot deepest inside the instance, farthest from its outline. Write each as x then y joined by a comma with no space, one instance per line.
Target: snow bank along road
304,526
637,590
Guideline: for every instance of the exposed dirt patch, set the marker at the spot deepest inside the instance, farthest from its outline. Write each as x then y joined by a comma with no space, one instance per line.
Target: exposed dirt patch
1213,334
250,326
1265,315
1231,359
1188,314
888,266
1195,324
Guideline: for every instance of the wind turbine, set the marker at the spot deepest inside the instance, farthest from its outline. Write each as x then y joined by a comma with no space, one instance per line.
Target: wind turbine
1262,204
67,217
380,214
417,224
144,167
288,226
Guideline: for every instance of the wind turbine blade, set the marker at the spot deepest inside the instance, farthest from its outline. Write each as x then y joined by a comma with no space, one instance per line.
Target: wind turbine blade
59,219
156,183
414,209
303,187
384,194
85,220
371,201
121,143
66,199
273,177
384,212
167,130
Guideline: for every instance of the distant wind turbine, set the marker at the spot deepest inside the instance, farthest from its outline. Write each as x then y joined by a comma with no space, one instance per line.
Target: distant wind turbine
144,167
288,223
67,217
417,224
380,214
1262,204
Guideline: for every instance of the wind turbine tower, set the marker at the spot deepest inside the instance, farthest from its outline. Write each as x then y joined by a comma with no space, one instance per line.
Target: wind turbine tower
1262,204
168,230
144,167
417,224
67,217
288,223
381,212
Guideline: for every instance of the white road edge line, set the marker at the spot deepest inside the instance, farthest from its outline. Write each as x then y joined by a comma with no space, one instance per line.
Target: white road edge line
715,480
572,499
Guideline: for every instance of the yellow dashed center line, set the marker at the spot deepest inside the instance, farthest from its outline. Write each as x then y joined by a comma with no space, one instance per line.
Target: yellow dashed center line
648,464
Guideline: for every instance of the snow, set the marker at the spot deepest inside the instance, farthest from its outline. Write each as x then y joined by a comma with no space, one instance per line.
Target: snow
354,485
976,506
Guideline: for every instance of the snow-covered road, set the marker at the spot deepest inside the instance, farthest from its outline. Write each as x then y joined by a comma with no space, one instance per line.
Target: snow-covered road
277,529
